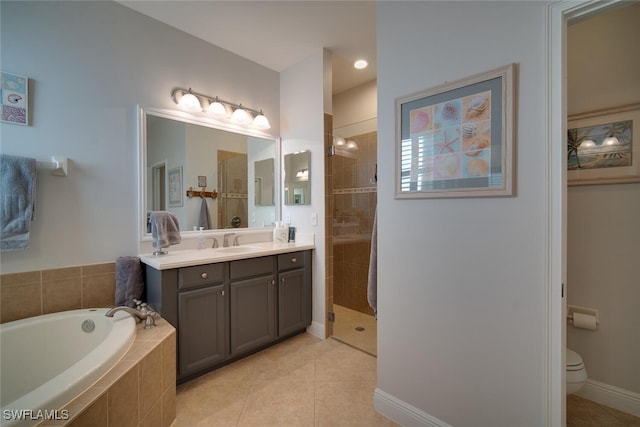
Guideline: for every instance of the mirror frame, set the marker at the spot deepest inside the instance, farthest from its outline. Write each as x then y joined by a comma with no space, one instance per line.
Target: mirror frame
200,120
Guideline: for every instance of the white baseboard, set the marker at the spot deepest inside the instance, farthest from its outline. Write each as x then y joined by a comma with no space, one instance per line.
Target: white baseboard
614,397
403,413
317,330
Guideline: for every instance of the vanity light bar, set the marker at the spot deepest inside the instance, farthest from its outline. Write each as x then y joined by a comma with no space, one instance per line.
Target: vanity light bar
192,101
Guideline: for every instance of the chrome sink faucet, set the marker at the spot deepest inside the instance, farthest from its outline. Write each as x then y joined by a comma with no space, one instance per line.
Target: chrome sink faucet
141,313
225,242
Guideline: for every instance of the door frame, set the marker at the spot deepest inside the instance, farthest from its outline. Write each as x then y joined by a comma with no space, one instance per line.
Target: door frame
559,15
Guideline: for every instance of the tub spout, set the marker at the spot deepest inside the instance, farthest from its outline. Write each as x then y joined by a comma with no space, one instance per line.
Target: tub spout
132,311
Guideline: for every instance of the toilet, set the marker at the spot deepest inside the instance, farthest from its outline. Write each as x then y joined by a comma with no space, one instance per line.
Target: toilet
576,372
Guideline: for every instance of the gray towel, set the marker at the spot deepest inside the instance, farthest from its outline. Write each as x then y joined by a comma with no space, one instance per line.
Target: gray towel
372,287
165,229
17,198
129,280
203,219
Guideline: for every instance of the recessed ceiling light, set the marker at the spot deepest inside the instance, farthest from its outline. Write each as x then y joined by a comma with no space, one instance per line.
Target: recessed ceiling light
360,64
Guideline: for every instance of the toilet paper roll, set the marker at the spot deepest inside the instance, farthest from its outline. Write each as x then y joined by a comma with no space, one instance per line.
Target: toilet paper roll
584,321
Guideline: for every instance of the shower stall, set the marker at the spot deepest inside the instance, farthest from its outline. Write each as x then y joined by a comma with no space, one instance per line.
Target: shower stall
351,205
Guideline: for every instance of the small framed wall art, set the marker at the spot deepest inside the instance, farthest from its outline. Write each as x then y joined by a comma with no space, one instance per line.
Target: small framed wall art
457,139
14,91
603,147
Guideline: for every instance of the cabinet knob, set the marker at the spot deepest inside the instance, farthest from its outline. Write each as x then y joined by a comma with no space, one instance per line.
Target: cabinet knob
294,259
204,275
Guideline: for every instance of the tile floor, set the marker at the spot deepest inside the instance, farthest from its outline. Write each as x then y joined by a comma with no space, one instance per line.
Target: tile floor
344,329
303,381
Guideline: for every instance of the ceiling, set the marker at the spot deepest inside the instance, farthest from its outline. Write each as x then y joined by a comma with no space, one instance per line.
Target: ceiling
279,34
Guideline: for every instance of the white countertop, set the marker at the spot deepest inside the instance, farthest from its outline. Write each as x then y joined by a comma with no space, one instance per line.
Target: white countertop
191,257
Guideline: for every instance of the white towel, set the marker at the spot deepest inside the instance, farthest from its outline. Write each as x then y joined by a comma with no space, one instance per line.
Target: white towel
17,198
372,287
165,229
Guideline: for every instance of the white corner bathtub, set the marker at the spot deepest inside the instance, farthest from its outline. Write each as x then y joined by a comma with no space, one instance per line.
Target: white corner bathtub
46,361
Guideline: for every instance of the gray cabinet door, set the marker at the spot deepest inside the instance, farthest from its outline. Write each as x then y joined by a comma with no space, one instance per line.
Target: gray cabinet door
202,331
292,315
252,313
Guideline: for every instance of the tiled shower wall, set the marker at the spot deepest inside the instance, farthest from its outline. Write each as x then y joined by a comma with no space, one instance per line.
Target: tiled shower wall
353,188
39,292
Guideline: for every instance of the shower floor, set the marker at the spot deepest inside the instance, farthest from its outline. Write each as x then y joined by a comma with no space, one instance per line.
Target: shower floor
356,329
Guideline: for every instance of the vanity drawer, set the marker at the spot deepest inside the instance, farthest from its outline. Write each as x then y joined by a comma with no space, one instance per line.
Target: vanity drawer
252,267
291,260
191,277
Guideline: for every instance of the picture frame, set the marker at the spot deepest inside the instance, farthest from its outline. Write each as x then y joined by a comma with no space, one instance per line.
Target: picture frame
603,147
14,90
175,187
458,139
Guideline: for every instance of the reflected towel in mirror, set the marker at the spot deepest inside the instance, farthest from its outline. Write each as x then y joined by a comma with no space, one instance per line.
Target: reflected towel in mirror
203,219
165,229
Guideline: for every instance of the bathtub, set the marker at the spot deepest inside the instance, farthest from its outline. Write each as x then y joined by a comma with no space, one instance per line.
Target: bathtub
48,360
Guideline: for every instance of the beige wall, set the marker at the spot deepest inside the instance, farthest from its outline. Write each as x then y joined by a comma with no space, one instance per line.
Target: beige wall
603,61
355,105
603,233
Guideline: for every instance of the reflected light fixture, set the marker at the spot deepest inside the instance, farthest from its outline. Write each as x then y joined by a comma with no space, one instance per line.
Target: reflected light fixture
191,101
352,145
303,175
360,64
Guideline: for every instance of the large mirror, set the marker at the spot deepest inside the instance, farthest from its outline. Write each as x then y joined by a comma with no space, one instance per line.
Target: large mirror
297,178
208,175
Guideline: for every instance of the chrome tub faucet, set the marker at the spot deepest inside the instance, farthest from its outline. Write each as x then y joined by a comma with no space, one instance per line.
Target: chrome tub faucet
141,312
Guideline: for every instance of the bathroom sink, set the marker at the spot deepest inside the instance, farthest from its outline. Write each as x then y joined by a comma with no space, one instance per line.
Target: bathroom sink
239,249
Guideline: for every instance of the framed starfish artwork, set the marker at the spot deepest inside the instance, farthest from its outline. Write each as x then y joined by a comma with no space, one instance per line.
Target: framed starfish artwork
457,139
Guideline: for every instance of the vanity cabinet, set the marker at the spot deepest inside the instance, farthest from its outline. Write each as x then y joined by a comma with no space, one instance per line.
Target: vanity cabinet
294,295
253,304
202,316
224,311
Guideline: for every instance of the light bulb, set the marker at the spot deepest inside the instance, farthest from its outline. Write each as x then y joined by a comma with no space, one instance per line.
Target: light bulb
216,108
240,116
189,102
261,122
612,140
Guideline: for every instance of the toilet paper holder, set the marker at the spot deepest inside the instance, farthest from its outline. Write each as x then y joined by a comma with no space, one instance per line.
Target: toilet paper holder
571,309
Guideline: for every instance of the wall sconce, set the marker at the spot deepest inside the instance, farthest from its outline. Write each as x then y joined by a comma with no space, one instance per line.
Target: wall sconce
193,102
